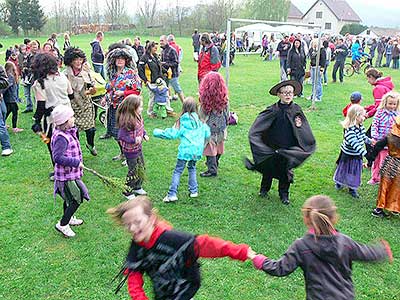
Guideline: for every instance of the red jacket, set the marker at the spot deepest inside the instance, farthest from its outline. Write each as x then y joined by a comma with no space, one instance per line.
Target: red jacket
382,86
208,61
176,47
209,247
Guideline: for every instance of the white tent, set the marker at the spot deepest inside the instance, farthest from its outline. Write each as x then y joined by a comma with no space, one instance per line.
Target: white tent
256,31
289,29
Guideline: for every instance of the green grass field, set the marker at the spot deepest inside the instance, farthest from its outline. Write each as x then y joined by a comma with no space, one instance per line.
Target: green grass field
37,263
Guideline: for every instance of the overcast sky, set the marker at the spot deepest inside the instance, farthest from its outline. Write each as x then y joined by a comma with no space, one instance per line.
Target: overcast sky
384,13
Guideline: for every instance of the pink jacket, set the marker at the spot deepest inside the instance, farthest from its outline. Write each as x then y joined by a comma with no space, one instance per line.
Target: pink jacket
382,86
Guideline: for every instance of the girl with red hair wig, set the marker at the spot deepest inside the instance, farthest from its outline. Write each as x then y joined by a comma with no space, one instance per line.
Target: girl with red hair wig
214,111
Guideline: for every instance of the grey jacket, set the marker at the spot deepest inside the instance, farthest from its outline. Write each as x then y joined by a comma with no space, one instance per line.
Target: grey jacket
326,263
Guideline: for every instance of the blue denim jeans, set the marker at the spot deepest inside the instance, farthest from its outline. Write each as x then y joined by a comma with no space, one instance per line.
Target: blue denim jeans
4,137
176,177
283,65
28,97
99,69
388,60
318,84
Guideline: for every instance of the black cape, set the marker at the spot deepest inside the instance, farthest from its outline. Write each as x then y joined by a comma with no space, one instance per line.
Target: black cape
258,137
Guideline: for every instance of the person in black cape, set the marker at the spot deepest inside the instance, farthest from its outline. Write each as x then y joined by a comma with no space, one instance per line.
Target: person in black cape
280,139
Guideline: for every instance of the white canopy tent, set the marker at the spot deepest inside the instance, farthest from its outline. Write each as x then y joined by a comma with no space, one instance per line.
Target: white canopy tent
297,27
257,31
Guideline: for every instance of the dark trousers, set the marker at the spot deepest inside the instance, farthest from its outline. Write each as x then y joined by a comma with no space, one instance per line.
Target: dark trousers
69,211
49,134
134,179
212,163
299,78
338,65
283,185
12,108
89,136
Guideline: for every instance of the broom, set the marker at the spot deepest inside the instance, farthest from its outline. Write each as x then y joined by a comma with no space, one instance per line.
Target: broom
111,182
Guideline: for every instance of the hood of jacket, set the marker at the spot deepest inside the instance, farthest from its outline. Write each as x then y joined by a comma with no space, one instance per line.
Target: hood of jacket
190,121
325,247
385,82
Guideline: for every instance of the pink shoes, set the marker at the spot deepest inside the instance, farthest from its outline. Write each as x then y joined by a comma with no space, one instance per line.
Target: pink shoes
16,130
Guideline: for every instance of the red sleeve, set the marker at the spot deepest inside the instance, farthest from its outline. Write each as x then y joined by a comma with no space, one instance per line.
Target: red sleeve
128,92
212,247
135,286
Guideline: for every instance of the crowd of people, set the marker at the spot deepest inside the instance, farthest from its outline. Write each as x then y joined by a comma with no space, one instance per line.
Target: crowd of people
281,139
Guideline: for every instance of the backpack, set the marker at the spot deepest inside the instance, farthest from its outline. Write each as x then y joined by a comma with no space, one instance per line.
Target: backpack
233,118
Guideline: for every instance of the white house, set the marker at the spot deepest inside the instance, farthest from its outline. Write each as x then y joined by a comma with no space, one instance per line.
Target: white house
330,14
376,32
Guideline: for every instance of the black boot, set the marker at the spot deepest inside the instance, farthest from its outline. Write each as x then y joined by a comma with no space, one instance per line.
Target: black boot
284,195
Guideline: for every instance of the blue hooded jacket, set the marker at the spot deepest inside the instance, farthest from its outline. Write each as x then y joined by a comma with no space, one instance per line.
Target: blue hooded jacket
192,132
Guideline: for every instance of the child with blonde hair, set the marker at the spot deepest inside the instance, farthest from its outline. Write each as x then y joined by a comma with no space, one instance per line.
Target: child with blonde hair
168,257
352,150
324,254
193,134
382,122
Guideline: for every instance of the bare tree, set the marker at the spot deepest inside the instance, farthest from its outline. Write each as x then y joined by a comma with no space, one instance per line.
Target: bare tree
148,11
181,11
115,11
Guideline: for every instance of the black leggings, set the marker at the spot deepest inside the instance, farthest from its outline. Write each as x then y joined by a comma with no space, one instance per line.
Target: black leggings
69,211
89,136
12,108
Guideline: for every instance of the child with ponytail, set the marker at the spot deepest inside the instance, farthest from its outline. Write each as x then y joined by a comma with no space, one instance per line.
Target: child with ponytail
324,254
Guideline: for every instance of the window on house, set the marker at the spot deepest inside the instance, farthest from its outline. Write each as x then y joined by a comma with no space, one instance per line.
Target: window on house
328,26
368,32
319,15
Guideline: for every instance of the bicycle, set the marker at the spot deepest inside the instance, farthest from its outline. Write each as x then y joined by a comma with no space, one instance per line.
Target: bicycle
351,68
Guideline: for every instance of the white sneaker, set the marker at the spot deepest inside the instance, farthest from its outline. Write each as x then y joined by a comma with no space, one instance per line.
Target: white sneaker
65,230
140,192
75,222
194,195
6,152
170,198
129,196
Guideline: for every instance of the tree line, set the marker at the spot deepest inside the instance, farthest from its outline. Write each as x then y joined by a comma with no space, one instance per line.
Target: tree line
170,15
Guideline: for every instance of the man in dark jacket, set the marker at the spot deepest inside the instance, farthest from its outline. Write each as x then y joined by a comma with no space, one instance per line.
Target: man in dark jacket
170,65
4,137
340,53
283,48
380,48
97,54
280,139
196,42
138,48
27,75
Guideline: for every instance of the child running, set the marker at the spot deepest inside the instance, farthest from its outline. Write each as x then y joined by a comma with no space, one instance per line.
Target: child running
10,95
131,134
168,257
67,155
324,254
193,134
389,188
214,111
352,150
381,124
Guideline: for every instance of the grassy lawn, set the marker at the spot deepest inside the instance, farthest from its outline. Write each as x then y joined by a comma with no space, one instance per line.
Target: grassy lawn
37,263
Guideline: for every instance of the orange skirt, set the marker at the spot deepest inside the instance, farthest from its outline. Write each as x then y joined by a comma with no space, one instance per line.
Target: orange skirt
389,194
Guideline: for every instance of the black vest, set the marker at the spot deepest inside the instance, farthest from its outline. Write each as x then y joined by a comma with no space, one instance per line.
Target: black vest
171,264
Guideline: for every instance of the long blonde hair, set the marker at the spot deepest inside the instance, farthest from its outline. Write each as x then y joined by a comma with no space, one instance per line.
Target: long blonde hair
351,119
319,213
387,96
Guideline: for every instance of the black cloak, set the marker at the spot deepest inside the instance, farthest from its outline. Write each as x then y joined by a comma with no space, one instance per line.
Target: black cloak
258,137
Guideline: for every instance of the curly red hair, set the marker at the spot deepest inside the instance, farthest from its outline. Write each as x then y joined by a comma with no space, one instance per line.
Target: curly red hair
213,93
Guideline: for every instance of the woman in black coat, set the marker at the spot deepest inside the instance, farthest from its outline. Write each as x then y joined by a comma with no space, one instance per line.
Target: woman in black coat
296,63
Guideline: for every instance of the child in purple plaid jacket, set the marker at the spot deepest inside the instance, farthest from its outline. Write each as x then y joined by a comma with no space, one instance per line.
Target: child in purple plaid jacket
67,155
131,134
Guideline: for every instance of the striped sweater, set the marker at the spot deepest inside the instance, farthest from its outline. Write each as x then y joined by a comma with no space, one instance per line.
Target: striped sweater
382,122
353,141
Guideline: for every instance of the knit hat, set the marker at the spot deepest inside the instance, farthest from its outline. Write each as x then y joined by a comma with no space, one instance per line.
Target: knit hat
355,97
61,114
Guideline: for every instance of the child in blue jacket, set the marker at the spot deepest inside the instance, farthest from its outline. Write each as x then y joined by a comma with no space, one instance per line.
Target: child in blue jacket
193,133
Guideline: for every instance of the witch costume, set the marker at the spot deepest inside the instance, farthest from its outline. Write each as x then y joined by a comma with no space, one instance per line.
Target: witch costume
281,140
389,188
